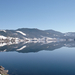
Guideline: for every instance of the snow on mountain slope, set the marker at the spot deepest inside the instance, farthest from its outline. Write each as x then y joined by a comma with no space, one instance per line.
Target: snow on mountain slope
2,37
21,48
21,33
3,30
2,44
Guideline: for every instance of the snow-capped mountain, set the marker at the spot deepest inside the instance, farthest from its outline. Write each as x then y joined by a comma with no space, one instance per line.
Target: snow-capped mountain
23,33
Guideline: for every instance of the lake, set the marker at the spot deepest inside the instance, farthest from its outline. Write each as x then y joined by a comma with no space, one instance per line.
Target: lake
56,58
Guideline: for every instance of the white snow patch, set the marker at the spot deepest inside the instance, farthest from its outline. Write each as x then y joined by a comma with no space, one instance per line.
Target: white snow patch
21,48
1,36
3,30
21,33
4,50
2,44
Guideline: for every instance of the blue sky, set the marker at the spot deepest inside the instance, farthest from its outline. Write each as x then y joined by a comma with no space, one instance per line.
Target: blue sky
58,15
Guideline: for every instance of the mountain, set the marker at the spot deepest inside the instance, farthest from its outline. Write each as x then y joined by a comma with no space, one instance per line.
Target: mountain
30,33
54,33
70,34
35,33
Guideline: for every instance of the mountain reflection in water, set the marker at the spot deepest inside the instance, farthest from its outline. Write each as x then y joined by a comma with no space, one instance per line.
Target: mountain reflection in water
51,58
26,47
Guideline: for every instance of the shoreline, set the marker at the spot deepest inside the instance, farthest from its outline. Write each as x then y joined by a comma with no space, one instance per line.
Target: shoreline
3,71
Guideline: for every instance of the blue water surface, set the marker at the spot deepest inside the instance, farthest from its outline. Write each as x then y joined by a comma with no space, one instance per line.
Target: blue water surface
57,62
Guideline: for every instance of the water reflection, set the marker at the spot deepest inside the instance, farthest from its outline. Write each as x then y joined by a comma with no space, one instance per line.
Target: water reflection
51,61
25,47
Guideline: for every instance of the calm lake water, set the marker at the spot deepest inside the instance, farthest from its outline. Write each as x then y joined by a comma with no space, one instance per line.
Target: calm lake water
39,59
